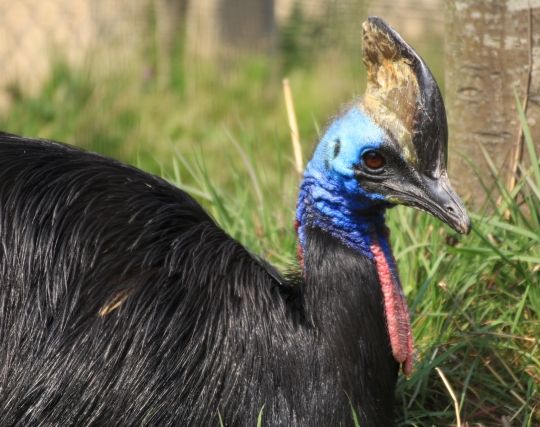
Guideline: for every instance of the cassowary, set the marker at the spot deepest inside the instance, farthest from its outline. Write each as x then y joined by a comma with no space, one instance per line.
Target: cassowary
123,303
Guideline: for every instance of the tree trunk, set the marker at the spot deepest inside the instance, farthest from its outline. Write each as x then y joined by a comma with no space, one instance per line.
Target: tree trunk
220,28
489,43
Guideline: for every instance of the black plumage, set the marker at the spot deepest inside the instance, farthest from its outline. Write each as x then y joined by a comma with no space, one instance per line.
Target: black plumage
203,328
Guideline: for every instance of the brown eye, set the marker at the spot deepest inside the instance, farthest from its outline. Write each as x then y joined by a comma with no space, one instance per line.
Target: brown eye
373,160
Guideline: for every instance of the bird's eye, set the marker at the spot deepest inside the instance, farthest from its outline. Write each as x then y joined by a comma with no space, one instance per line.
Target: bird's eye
373,160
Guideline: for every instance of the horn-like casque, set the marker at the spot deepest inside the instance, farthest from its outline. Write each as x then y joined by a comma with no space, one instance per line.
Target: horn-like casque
403,97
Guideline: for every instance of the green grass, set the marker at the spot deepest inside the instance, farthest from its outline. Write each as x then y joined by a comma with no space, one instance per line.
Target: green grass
224,137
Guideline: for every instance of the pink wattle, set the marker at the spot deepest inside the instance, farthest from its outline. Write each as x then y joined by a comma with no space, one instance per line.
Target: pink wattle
396,310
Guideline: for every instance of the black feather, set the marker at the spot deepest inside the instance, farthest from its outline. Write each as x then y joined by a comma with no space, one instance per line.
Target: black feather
202,327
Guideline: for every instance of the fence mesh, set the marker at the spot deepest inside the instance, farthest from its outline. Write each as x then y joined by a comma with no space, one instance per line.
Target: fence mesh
34,32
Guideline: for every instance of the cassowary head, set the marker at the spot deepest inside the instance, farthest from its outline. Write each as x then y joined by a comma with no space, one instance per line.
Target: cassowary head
391,147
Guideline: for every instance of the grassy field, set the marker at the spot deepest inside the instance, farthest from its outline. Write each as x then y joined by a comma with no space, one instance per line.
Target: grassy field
223,136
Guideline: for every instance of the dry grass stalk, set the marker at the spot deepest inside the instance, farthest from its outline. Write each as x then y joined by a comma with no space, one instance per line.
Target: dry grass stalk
452,394
295,136
116,302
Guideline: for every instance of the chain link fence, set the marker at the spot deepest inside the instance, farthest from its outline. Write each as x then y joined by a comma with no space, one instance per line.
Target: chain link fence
33,33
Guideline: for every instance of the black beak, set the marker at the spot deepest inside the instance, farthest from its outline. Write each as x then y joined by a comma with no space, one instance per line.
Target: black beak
437,197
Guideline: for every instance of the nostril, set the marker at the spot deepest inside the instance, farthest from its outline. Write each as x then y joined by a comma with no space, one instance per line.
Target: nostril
450,209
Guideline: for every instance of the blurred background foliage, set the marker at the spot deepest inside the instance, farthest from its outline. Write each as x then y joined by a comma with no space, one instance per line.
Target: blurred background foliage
161,85
174,93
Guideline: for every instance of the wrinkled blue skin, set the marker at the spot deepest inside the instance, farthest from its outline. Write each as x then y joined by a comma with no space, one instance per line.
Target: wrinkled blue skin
330,196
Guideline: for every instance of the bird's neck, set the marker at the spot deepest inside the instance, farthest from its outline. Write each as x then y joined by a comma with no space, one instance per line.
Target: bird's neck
353,221
347,261
343,302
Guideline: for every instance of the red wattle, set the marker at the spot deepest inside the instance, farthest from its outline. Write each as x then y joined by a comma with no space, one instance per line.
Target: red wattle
396,310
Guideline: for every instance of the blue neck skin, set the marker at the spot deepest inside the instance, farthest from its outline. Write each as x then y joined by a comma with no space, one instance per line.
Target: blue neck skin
331,198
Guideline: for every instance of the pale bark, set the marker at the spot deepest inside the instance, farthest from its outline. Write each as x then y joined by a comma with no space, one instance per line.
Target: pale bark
487,60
